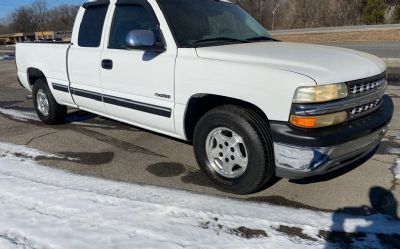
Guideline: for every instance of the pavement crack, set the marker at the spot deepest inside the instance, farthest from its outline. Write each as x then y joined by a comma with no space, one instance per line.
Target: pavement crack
115,142
90,133
381,161
41,136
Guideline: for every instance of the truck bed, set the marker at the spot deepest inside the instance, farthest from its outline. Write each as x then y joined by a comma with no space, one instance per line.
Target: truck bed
51,58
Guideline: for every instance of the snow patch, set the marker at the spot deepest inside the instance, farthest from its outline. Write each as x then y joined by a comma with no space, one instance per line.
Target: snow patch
395,151
48,208
94,125
6,57
31,115
13,151
20,115
396,169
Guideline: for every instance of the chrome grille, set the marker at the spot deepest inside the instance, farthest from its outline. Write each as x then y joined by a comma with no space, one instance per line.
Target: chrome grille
365,87
359,110
365,97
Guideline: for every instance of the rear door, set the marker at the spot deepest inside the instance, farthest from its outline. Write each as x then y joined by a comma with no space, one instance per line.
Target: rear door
84,57
139,88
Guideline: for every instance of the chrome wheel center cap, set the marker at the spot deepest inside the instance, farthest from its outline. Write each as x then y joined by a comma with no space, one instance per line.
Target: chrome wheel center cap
226,152
42,102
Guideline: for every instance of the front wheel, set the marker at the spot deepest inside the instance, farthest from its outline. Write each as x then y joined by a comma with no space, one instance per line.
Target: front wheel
233,147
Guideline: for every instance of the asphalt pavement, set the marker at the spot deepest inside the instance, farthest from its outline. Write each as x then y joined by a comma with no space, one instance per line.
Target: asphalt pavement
116,151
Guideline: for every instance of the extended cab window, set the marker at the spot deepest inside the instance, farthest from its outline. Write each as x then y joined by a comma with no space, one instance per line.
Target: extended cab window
92,26
128,18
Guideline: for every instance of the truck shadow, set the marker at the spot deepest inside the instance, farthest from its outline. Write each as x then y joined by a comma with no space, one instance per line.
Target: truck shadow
382,202
79,116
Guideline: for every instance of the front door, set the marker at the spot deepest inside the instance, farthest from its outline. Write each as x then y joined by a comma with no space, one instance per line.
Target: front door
138,86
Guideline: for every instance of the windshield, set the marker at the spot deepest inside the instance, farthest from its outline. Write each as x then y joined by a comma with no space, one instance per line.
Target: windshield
198,23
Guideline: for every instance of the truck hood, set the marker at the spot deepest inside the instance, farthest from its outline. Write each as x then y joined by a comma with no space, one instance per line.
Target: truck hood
324,64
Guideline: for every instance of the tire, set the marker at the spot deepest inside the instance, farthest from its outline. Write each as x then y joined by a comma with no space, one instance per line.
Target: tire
55,112
246,127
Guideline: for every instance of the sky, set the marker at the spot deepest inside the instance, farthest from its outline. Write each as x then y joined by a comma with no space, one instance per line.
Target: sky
7,6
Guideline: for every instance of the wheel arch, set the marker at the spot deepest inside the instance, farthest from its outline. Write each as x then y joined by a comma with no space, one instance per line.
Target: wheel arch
35,74
201,103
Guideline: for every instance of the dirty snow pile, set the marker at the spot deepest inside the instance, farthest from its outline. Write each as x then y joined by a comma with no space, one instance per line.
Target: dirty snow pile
48,208
12,151
396,169
26,115
19,115
393,151
6,57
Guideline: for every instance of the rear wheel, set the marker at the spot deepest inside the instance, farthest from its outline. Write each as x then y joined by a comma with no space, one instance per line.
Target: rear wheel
48,110
233,147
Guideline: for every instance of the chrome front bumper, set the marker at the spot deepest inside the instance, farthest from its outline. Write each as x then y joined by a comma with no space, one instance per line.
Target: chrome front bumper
301,153
300,162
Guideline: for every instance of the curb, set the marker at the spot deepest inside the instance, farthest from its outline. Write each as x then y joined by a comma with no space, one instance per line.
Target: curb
392,62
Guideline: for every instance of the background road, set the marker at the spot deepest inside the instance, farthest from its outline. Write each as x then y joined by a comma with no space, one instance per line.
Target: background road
111,150
338,29
390,49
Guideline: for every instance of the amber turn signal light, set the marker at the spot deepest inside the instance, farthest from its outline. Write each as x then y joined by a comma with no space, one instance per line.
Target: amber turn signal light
319,121
304,122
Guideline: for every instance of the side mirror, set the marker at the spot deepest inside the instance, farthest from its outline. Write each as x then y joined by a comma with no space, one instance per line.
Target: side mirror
143,40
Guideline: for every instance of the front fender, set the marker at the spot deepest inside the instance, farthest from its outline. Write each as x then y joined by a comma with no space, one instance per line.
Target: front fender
271,90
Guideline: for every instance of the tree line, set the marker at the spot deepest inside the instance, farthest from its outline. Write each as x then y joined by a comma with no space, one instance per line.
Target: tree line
290,14
39,17
273,14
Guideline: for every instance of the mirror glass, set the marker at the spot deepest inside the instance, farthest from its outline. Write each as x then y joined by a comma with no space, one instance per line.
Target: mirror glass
140,38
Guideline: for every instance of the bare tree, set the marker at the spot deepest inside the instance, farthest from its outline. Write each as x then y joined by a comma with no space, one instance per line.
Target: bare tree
62,17
275,6
260,8
39,12
272,14
22,20
38,17
4,26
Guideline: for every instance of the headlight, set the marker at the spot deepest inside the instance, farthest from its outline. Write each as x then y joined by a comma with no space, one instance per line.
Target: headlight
317,94
319,121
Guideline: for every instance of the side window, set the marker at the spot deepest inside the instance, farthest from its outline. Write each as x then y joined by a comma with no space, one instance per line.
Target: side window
92,26
128,18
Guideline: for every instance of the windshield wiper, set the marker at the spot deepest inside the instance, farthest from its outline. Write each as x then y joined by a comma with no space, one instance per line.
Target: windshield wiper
261,38
219,39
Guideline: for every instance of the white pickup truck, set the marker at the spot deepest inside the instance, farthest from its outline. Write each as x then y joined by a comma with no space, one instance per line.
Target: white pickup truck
205,71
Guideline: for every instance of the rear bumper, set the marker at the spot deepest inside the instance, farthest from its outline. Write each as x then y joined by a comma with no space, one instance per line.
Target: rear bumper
301,153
